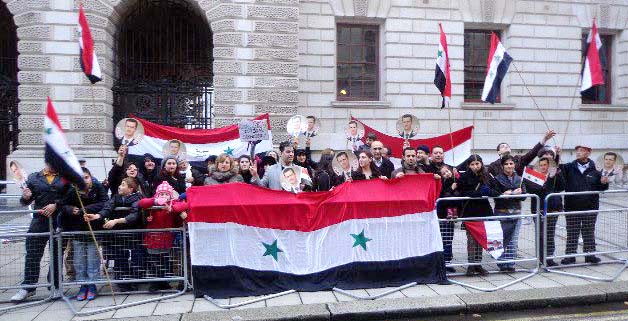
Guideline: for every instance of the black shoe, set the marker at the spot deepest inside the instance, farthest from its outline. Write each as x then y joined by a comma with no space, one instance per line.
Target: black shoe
509,269
550,263
592,259
122,287
471,271
481,271
568,260
450,269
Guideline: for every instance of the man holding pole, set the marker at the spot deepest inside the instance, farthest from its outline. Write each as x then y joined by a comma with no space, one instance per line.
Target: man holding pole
521,161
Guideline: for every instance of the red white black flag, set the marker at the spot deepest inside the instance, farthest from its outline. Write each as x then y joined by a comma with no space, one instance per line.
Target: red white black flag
89,63
592,73
442,78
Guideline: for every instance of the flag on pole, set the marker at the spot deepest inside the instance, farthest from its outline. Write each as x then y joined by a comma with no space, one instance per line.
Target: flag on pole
58,154
497,66
534,176
442,78
592,73
89,62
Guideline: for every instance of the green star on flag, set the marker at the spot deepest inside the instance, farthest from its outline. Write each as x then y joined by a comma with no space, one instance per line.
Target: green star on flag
48,131
360,239
440,53
272,249
229,151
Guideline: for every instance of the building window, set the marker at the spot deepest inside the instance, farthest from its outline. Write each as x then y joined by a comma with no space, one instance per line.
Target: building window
477,44
600,94
357,70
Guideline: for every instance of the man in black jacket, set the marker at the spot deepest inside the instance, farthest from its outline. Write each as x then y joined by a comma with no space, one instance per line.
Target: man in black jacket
580,176
45,191
382,163
521,161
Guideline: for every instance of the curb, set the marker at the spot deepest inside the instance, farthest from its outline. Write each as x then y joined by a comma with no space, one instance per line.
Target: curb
422,306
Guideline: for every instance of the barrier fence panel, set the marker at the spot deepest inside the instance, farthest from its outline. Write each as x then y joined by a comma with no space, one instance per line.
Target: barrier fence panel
599,234
511,240
16,247
153,258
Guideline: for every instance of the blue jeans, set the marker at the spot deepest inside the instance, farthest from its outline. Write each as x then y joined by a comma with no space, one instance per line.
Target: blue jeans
510,249
86,260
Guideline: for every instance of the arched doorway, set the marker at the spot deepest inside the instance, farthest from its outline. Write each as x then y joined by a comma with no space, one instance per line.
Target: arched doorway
8,87
164,65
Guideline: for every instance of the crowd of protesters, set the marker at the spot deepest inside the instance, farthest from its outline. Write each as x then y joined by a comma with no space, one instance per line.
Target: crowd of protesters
137,187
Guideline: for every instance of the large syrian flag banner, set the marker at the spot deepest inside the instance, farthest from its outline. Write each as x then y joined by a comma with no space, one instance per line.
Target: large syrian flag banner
247,240
455,153
493,236
58,153
199,143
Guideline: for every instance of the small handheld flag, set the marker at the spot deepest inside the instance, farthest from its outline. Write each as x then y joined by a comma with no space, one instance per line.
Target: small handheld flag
442,78
592,72
534,176
58,154
89,62
497,66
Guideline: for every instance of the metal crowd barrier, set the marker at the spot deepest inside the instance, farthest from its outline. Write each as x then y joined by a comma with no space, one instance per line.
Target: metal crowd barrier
524,251
610,239
12,263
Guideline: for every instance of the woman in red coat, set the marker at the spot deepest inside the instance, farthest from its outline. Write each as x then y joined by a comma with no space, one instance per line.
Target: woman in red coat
159,244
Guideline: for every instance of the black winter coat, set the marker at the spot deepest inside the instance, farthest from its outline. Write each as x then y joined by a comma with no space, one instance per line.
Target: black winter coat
447,191
132,216
521,161
472,186
580,182
44,193
387,167
94,200
177,182
502,184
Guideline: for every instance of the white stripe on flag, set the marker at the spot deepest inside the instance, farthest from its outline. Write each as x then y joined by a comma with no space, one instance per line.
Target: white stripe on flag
57,141
498,56
392,238
199,152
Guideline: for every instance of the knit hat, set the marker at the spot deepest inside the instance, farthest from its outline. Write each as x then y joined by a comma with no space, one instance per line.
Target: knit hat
423,148
166,158
164,187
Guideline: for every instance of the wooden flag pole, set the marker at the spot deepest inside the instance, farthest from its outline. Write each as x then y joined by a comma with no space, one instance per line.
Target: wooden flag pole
91,232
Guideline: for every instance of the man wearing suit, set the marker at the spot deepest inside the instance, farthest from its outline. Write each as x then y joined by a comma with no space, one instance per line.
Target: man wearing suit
272,176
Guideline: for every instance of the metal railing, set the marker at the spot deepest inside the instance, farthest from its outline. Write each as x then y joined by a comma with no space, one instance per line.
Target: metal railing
608,242
519,245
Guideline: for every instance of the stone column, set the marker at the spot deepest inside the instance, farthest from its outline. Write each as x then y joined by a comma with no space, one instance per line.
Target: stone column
255,60
49,66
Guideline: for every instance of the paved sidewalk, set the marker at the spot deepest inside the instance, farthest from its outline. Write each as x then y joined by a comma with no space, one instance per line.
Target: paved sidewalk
188,305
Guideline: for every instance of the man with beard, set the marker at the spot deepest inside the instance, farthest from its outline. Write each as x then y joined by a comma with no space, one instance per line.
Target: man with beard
422,158
580,176
521,161
409,165
384,165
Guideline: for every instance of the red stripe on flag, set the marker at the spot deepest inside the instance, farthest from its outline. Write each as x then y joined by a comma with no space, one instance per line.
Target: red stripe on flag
593,55
491,53
478,231
534,173
194,136
443,41
52,114
395,144
260,207
87,50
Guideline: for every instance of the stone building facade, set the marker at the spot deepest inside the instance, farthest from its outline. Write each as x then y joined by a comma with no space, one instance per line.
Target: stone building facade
280,57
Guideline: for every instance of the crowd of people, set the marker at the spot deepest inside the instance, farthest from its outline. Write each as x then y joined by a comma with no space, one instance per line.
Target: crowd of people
138,186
